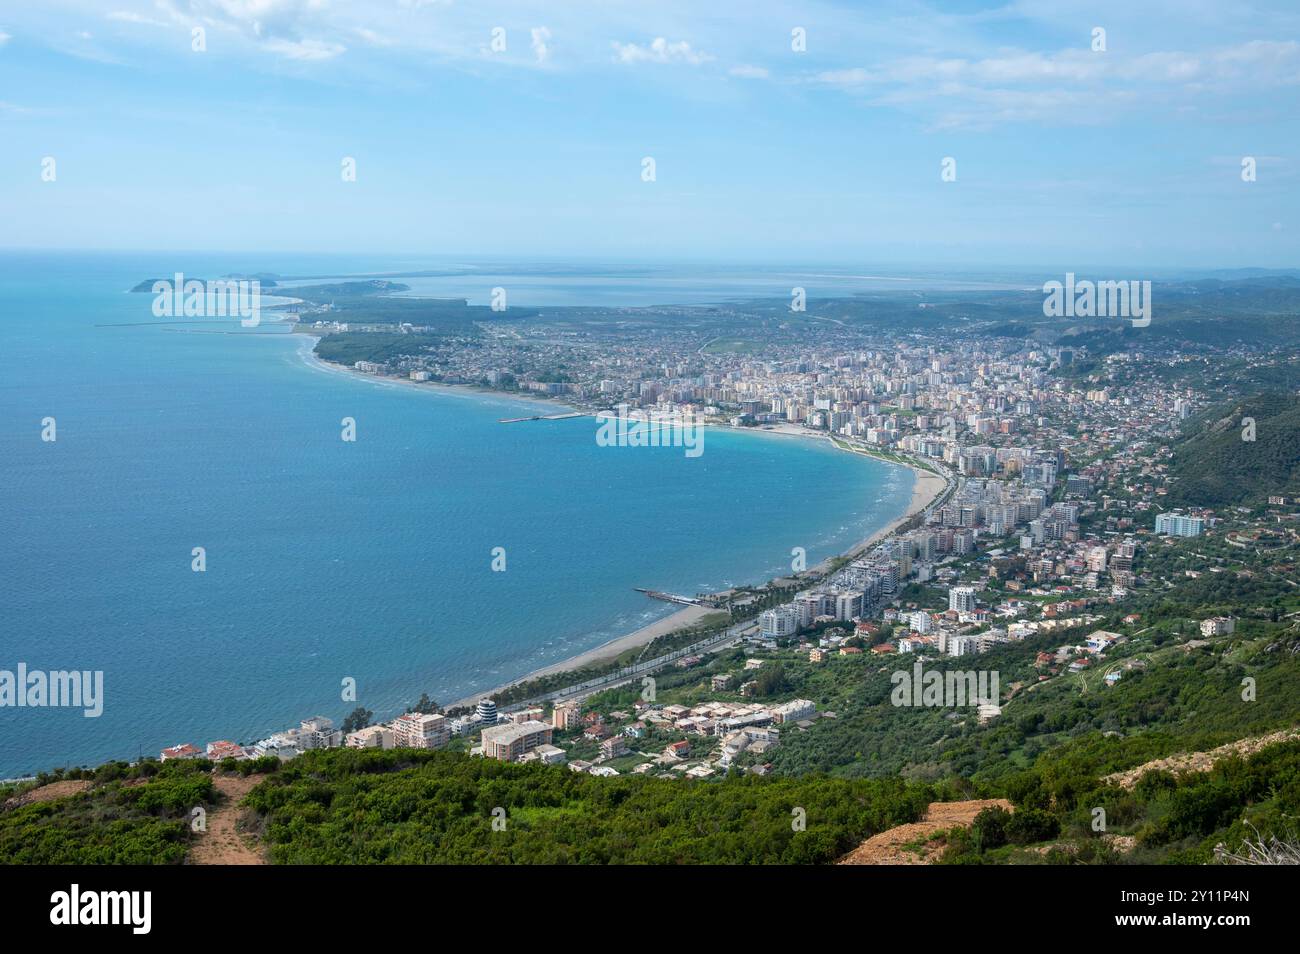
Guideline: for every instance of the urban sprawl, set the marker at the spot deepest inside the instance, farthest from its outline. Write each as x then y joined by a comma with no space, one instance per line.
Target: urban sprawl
1052,487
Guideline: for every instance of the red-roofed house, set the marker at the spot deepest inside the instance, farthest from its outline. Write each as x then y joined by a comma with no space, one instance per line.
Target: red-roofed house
225,750
182,751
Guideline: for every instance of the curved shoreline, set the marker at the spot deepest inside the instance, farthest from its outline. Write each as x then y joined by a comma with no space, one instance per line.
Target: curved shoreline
688,615
926,486
307,353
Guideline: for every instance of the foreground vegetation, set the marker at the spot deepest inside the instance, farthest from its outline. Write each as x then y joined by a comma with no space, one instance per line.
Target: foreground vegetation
1162,819
133,815
415,807
370,807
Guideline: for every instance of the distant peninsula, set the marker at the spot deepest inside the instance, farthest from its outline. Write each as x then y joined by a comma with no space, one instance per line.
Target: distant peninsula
266,281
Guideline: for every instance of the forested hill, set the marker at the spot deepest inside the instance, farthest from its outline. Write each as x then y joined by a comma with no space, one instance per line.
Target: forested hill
1239,453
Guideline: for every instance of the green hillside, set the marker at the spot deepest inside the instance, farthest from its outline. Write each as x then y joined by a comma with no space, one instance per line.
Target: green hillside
1216,465
437,807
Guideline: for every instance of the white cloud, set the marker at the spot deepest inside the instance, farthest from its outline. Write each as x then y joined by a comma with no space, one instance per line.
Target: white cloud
371,37
1073,85
129,16
540,37
267,18
660,50
277,26
843,78
305,49
4,37
745,71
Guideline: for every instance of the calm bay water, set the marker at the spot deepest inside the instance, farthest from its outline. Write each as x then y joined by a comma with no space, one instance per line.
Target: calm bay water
328,559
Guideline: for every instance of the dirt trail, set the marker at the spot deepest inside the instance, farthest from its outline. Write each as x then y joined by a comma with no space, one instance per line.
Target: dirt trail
1200,761
48,793
222,844
889,847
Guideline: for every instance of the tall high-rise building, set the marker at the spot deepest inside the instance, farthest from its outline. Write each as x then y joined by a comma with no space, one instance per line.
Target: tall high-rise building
780,622
961,599
1179,525
847,605
487,711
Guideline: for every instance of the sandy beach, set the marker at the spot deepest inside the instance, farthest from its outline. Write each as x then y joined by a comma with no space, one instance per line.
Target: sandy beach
927,486
685,616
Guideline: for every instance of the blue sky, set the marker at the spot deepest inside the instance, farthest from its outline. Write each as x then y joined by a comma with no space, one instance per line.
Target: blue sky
1063,154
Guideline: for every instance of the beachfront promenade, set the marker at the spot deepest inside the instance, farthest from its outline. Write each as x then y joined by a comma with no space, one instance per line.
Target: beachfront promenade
625,674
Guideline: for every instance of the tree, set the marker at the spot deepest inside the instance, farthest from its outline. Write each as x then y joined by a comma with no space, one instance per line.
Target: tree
1029,825
990,828
358,719
425,705
771,681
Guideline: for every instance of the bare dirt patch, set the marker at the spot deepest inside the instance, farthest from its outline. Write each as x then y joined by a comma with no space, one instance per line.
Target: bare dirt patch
909,844
223,843
48,793
1186,762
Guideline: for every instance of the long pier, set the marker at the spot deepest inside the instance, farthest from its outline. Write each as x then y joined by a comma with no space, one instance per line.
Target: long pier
542,417
670,597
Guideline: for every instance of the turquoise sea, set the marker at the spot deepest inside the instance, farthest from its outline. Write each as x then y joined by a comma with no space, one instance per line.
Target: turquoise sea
328,559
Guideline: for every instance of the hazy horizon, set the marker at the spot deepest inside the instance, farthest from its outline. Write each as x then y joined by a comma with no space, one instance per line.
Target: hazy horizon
404,261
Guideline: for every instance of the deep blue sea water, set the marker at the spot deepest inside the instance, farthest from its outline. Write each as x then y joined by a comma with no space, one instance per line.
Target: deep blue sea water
328,559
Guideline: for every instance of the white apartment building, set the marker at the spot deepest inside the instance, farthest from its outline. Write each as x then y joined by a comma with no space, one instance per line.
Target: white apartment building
796,710
319,733
963,645
780,622
421,730
1218,626
1179,525
509,741
961,599
371,737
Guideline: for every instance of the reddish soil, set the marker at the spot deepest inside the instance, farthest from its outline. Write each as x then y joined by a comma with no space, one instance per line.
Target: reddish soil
890,847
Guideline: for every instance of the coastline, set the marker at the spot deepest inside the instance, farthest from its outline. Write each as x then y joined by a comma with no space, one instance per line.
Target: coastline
605,652
926,487
306,351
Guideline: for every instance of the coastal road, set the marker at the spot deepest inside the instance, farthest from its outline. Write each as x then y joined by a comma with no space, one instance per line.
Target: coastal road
626,674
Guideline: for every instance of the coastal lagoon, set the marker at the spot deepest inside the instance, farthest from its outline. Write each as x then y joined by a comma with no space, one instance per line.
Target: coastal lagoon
325,559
